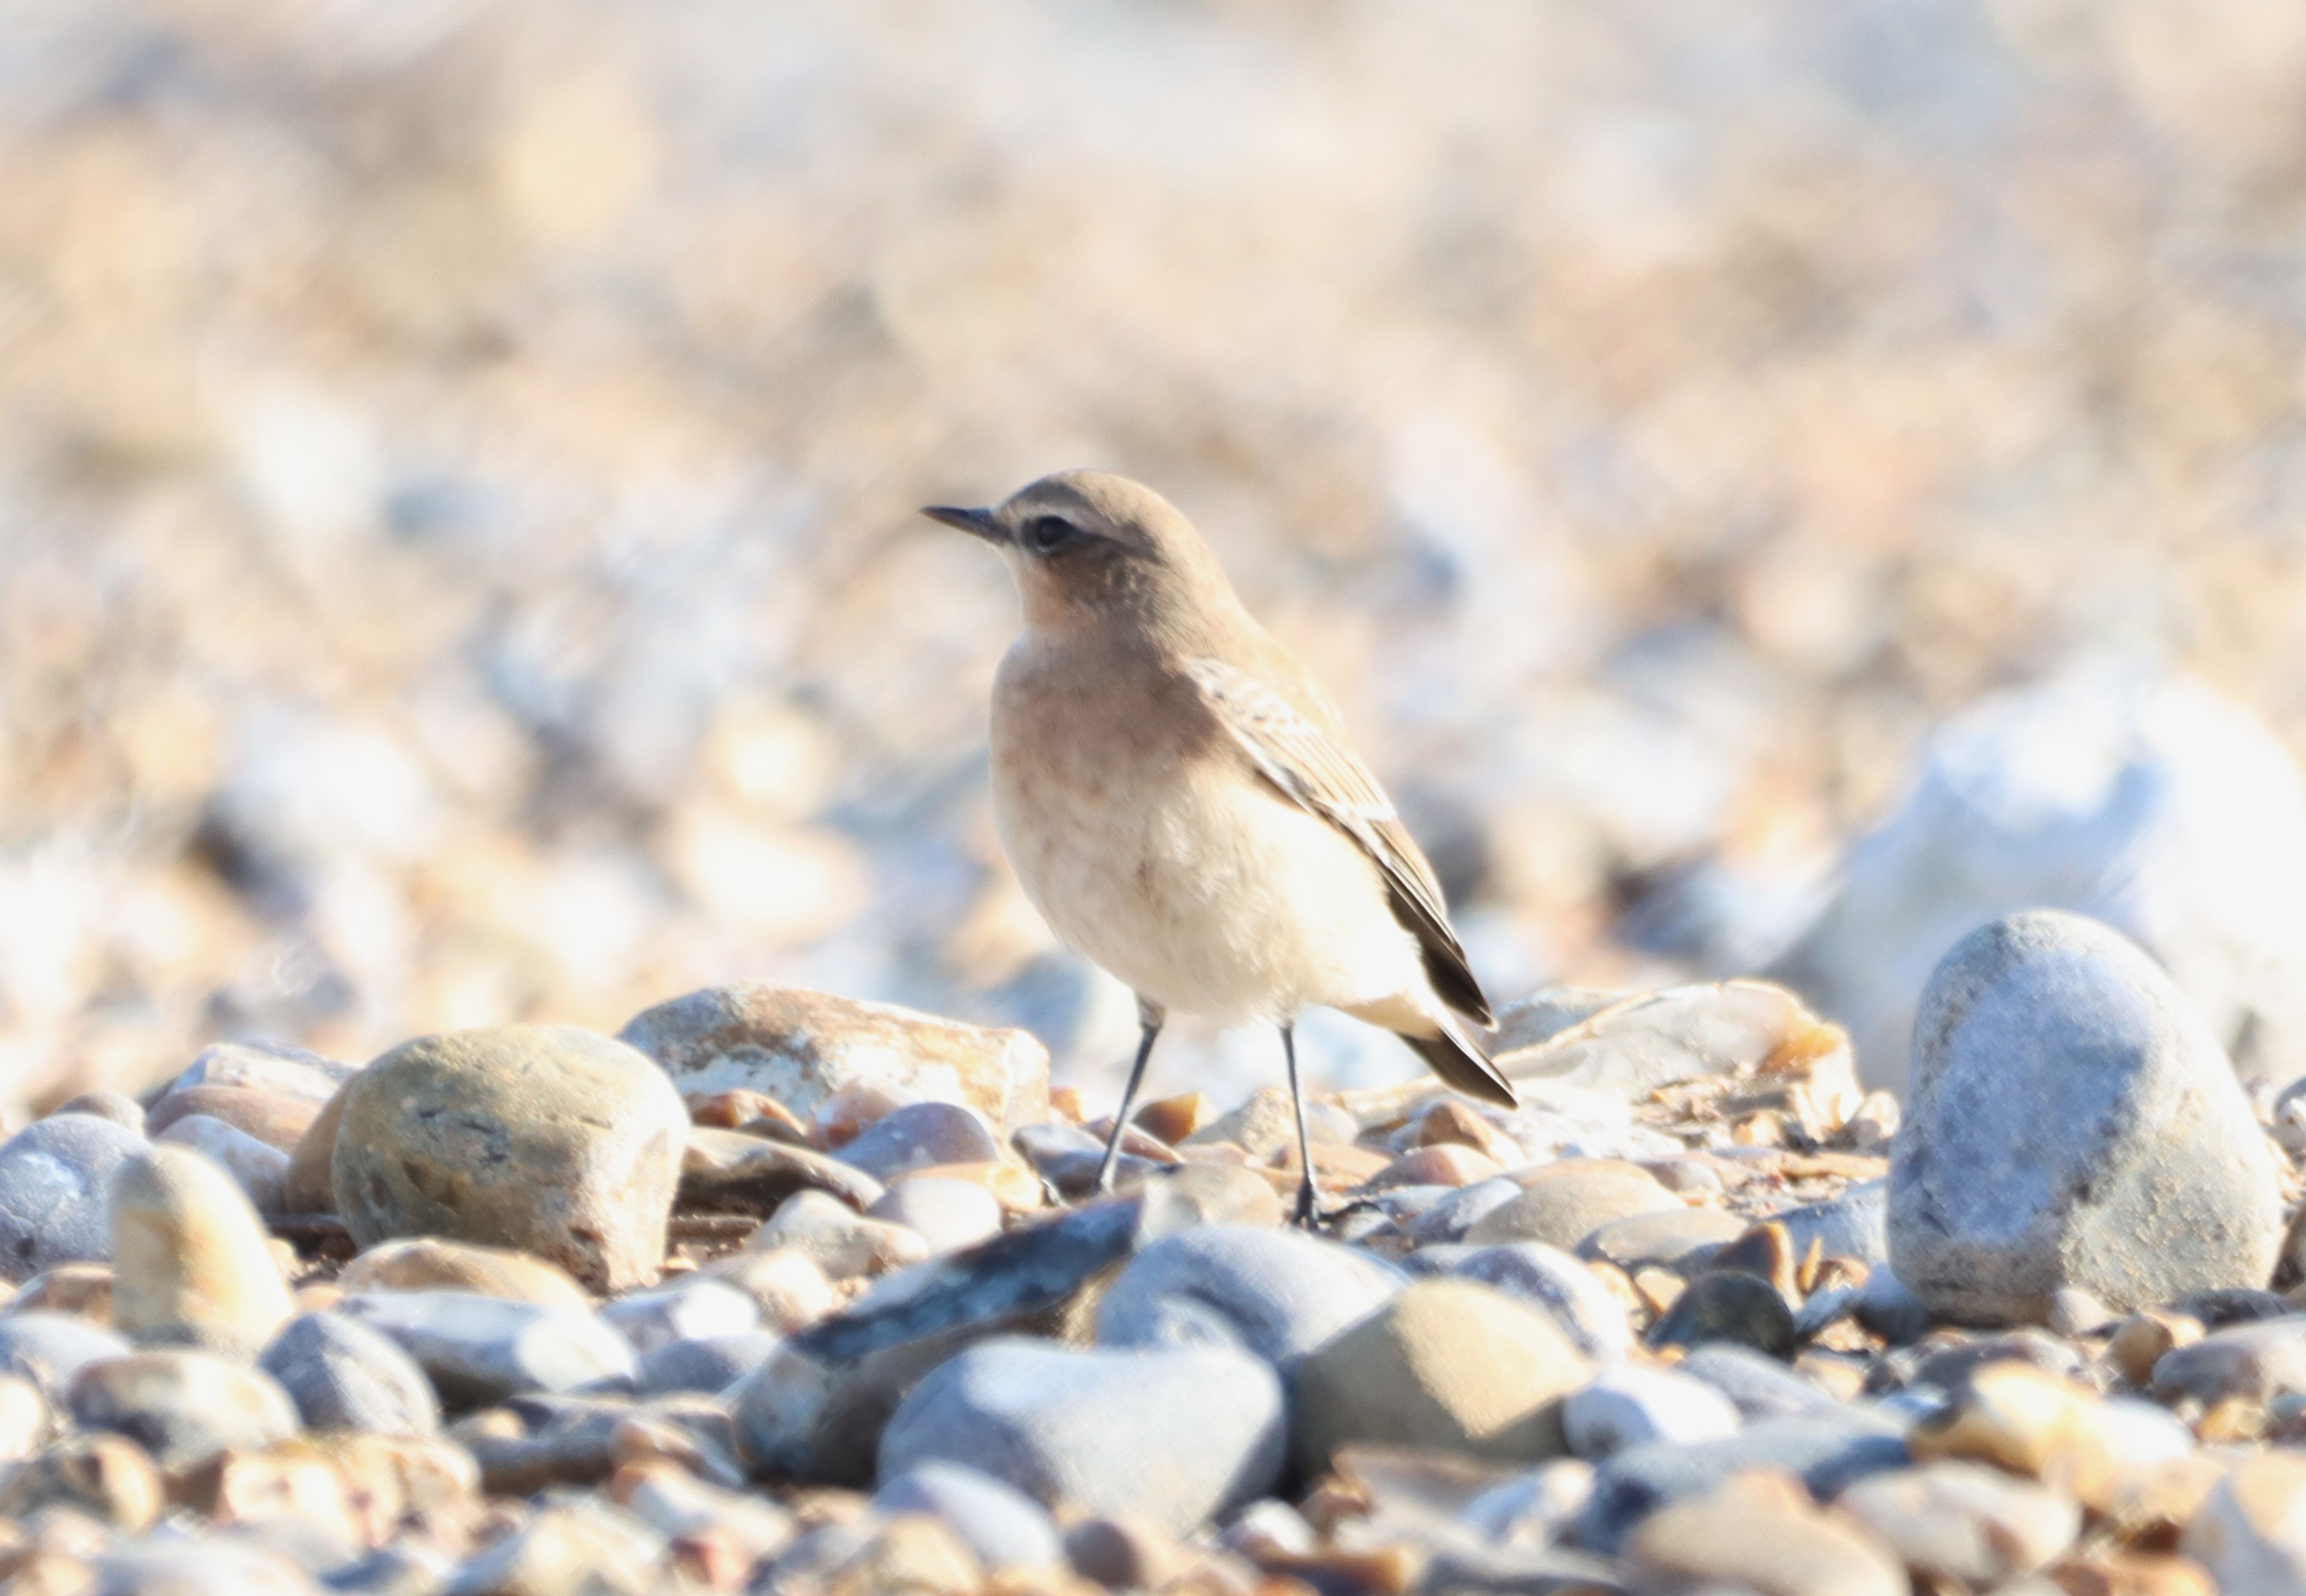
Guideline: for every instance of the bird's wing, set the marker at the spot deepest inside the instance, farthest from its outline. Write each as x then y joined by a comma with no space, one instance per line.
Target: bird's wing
1313,767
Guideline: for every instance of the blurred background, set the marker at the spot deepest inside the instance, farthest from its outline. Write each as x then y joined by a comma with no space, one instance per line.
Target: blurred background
456,550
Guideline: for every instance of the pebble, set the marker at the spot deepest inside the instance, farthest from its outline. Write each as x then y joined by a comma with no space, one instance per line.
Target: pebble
1175,1436
1759,1536
789,1289
1265,1126
2017,1418
2261,1360
920,1134
1398,1378
55,1175
1758,1386
2251,1532
1125,1553
799,1047
193,1264
1275,1294
479,1349
1563,1210
1004,1527
1683,1239
1854,1225
260,1169
1827,1451
1727,1305
81,1289
272,1068
1444,1164
183,1407
2073,1122
119,1107
546,1138
277,1121
1963,1522
429,1263
574,1548
705,1363
945,1213
1584,1309
1632,1404
1451,1122
1950,1366
309,1185
1208,1194
728,1172
1886,1308
1535,1508
107,1478
843,1242
48,1349
1449,1218
684,1310
344,1375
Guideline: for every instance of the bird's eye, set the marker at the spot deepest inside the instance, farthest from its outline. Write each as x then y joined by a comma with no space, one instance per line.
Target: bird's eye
1045,534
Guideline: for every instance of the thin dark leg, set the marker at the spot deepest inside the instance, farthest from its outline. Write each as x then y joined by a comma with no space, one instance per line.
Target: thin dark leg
1308,1196
1150,1018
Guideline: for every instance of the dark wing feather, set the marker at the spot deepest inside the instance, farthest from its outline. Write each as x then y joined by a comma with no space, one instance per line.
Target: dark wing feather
1319,772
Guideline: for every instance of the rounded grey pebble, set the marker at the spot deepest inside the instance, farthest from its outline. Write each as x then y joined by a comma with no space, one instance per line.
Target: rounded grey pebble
56,1181
480,1350
342,1375
709,1364
2073,1122
1632,1404
688,1310
920,1134
1003,1526
1683,1239
1277,1293
1727,1305
1174,1436
1760,1386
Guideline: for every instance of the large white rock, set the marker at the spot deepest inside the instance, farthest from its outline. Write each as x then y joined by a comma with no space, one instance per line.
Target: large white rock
2146,801
2073,1123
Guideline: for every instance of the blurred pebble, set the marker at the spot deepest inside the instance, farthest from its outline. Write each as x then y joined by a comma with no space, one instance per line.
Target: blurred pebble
1632,1404
192,1263
344,1375
948,1214
838,1240
55,1176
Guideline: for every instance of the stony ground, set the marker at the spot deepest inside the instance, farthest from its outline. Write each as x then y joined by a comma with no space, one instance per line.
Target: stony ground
778,1291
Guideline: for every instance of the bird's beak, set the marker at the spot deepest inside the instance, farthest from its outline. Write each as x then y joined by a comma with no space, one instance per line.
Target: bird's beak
976,523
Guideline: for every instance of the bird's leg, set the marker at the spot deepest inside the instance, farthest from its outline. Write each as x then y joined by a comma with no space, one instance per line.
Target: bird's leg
1149,1016
1308,1196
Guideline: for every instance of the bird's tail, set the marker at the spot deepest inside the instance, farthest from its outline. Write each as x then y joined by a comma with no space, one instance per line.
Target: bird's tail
1458,1060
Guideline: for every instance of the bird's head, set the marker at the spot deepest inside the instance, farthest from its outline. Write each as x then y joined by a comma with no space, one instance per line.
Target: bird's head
1091,548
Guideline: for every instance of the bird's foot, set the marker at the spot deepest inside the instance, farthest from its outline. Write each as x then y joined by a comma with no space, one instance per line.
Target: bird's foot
1310,1214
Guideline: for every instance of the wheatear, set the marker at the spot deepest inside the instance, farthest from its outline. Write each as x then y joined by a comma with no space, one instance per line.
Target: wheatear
1179,800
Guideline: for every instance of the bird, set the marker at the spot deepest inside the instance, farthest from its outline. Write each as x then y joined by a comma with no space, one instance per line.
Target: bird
1181,802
